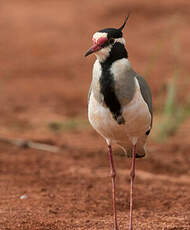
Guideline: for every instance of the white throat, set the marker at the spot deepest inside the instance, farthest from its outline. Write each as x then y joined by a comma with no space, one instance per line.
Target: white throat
102,54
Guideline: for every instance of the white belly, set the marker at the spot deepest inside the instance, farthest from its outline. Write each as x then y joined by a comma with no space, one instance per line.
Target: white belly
136,114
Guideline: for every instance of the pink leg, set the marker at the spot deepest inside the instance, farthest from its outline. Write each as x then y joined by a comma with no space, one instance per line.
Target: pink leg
132,175
113,175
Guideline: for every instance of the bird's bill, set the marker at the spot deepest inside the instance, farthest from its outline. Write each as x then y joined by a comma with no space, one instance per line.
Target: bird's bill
93,49
97,45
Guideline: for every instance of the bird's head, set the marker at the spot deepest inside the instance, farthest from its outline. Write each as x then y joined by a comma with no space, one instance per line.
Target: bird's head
104,40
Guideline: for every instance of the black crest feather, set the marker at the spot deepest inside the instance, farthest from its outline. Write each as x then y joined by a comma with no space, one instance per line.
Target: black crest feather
121,28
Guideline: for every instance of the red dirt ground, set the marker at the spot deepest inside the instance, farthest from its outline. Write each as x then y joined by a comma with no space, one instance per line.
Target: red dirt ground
45,78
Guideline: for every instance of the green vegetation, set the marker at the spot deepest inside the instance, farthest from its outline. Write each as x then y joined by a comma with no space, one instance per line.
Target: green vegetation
68,125
169,115
173,114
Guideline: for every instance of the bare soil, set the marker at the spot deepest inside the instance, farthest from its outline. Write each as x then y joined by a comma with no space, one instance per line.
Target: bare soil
44,78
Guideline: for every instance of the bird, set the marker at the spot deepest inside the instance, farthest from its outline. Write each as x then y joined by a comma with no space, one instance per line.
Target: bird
119,103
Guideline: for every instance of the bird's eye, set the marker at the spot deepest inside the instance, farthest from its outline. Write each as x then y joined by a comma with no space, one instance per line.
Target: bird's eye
111,41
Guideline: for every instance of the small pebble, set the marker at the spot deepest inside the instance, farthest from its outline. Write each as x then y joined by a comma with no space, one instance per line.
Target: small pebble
23,197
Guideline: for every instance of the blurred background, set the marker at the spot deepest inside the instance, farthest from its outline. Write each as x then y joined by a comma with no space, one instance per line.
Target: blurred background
44,82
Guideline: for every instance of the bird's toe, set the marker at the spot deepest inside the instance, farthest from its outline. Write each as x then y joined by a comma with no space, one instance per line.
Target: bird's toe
129,155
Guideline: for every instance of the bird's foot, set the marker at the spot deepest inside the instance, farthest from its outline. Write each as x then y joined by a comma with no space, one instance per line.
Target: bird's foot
140,155
136,156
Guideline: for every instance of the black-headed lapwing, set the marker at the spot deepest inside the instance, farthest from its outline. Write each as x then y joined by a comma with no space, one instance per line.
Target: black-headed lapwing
120,102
